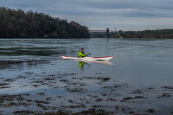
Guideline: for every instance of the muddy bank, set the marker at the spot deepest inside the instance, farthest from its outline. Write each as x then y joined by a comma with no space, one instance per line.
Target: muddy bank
61,93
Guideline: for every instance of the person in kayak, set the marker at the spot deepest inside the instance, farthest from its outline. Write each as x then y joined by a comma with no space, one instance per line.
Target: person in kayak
81,53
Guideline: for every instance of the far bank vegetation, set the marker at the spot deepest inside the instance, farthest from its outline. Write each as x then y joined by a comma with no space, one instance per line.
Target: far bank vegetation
162,33
18,24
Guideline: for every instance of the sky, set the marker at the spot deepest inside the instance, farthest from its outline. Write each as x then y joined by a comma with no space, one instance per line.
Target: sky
101,14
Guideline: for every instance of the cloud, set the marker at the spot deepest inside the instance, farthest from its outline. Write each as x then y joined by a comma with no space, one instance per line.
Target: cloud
102,12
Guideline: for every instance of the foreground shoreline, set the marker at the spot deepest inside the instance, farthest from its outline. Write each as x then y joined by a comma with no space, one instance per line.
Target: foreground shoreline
67,93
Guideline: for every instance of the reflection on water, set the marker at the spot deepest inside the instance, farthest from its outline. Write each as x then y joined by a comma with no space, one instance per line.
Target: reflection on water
138,80
81,63
21,64
88,62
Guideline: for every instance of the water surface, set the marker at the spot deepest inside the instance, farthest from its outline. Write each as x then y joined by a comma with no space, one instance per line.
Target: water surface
33,69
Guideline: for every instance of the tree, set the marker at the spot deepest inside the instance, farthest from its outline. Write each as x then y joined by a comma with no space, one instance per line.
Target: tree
17,23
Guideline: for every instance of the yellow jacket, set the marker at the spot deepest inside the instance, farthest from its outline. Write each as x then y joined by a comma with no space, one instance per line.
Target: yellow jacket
81,54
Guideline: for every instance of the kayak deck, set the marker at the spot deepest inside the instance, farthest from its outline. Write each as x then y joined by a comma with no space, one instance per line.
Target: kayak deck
88,58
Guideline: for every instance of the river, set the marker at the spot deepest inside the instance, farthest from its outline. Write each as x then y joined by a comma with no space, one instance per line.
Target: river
138,80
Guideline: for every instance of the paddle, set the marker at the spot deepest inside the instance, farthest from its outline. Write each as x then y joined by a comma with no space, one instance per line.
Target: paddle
88,54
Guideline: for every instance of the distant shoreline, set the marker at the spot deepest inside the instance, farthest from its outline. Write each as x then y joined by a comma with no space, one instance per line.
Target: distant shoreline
45,38
17,23
163,33
90,38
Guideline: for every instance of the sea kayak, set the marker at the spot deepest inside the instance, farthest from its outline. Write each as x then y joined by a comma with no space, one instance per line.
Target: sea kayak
88,58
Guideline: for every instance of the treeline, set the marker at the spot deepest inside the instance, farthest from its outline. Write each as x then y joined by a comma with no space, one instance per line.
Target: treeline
18,24
163,33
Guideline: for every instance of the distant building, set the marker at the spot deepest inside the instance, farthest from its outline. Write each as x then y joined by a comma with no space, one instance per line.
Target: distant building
120,32
107,32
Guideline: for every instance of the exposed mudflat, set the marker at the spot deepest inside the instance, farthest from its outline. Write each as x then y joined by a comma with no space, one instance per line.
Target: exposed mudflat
67,93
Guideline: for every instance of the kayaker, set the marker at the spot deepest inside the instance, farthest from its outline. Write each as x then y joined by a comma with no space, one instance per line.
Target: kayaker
81,53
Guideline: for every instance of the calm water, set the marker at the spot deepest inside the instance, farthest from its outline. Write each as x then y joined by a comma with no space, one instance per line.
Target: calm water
137,65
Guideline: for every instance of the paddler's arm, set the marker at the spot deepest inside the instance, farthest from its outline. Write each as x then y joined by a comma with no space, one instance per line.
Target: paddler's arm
81,54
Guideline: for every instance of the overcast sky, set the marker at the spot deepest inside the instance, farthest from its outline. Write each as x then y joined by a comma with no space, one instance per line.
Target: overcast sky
101,14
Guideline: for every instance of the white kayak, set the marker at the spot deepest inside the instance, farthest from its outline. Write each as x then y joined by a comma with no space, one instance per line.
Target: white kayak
88,58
